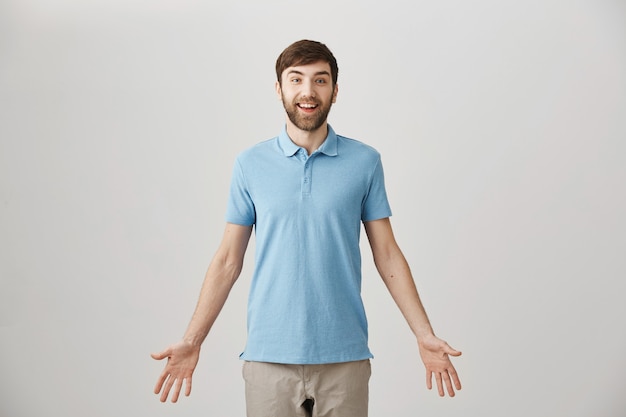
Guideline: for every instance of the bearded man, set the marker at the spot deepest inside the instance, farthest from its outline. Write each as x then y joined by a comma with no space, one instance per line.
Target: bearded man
306,193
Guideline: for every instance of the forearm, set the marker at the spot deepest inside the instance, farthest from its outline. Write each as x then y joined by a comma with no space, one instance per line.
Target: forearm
219,280
396,274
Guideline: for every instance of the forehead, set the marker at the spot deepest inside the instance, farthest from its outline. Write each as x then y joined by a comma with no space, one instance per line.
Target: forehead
313,69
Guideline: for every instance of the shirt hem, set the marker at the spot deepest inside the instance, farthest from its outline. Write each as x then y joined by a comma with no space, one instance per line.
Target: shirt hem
302,361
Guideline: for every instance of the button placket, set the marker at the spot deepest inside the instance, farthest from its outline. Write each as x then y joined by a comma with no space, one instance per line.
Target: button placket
306,178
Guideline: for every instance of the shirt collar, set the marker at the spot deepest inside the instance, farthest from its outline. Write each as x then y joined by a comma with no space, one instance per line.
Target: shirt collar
328,147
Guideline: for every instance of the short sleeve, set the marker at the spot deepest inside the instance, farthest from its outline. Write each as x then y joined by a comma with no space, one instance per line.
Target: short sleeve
240,209
375,204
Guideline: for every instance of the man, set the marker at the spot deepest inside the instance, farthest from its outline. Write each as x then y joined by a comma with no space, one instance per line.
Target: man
306,193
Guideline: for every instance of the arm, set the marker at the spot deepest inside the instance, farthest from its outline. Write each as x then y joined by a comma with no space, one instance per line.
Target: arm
394,270
221,275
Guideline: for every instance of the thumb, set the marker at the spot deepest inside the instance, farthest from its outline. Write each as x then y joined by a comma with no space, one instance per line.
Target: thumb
161,355
452,352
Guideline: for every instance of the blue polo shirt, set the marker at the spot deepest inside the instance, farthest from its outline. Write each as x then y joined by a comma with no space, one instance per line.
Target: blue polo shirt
305,303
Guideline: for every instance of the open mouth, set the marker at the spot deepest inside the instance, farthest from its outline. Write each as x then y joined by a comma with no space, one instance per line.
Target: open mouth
307,107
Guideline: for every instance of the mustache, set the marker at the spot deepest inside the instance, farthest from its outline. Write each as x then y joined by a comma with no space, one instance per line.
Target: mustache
307,100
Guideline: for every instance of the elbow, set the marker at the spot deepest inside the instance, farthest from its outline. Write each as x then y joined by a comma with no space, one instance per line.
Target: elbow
391,265
231,267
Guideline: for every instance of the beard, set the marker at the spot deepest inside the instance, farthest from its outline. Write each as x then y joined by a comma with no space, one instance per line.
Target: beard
305,122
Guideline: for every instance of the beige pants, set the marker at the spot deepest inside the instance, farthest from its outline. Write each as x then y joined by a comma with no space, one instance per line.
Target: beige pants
330,390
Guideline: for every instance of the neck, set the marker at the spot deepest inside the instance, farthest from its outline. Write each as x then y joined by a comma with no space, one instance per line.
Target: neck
309,140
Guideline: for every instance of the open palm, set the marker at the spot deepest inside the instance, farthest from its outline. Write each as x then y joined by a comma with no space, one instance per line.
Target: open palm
436,354
182,359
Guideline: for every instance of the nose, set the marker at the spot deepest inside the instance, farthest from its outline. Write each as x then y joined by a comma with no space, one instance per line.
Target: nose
308,89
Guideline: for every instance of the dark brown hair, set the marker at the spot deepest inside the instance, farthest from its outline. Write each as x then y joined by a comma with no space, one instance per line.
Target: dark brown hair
306,52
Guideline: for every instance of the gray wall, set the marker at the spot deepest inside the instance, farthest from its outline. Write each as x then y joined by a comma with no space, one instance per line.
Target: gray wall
502,127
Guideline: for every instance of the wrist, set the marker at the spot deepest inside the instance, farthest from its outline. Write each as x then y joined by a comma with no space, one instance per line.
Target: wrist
193,340
424,332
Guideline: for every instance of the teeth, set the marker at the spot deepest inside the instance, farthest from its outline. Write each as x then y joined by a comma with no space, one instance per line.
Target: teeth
307,105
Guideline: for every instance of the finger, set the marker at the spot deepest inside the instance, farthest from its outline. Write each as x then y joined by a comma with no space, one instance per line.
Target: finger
168,387
455,378
187,386
160,382
161,355
448,384
176,391
439,384
429,380
452,352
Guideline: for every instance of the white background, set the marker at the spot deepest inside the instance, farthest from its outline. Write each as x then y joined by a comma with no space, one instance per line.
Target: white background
502,127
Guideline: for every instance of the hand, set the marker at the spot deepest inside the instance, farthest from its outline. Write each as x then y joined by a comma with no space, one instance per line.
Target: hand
182,358
435,355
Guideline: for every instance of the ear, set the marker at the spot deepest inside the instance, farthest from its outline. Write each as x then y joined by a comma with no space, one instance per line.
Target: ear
279,91
335,93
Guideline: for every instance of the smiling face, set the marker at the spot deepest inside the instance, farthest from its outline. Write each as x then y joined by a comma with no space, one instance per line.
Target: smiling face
307,93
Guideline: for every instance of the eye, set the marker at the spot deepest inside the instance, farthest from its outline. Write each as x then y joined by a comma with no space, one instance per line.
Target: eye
295,80
320,81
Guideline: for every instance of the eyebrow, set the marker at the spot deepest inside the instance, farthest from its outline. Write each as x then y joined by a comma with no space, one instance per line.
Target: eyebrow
316,74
